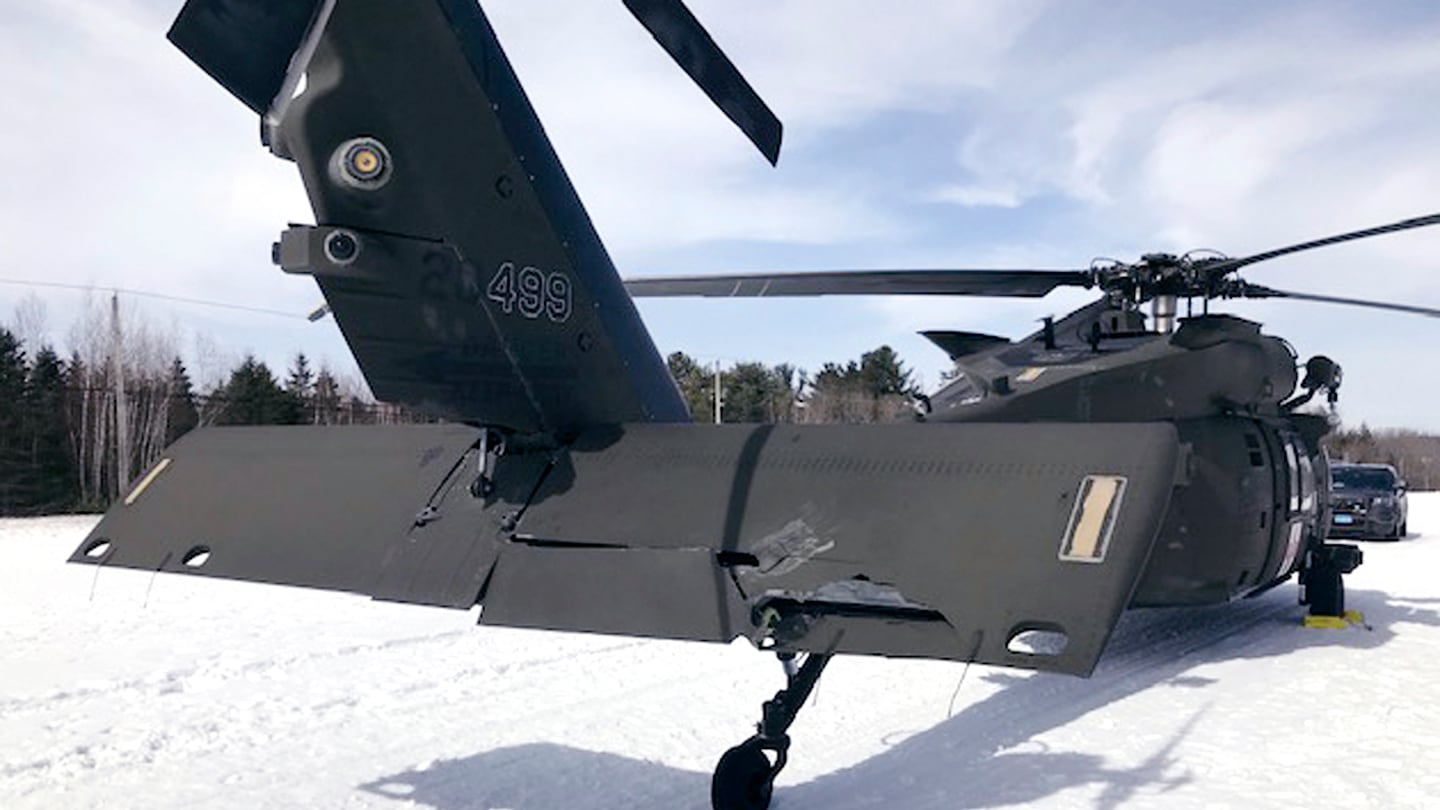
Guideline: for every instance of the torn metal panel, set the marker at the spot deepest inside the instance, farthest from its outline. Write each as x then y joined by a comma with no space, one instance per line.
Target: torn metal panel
781,552
889,636
865,592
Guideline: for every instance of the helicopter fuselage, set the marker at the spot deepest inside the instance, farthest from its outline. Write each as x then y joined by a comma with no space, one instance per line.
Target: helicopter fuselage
1247,503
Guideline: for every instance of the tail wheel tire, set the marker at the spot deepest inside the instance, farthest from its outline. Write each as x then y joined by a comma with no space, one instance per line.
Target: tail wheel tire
743,779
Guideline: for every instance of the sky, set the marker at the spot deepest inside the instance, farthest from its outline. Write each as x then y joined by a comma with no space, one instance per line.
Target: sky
929,134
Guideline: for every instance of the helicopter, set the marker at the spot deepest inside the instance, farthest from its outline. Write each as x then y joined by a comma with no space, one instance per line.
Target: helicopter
1109,460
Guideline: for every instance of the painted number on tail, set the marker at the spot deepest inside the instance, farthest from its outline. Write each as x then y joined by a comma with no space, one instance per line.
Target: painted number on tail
531,292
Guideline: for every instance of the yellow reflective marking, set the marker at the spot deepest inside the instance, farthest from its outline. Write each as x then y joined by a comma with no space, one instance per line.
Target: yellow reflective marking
1093,520
146,481
1030,374
1092,517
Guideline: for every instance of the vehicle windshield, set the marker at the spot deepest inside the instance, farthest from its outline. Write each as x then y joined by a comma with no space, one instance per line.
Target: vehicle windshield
1361,478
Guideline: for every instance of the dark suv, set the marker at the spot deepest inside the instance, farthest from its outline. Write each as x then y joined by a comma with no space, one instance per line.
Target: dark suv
1367,500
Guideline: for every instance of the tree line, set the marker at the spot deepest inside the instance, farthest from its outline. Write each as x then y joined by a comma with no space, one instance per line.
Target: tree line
876,388
1414,454
61,449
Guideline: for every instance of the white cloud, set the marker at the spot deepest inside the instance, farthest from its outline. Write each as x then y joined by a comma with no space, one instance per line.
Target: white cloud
660,167
975,196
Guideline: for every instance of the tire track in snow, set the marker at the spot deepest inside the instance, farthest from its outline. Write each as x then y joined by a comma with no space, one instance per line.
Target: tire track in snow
198,718
175,679
217,671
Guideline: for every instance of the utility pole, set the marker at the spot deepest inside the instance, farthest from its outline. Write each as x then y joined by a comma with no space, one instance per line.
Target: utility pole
717,390
122,421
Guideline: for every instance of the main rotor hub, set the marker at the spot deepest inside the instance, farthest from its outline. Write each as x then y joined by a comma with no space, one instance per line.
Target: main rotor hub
1161,275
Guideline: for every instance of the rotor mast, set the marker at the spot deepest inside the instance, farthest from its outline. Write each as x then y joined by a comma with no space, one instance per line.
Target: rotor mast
1162,313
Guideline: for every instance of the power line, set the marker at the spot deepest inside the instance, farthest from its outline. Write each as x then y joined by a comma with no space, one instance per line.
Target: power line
148,294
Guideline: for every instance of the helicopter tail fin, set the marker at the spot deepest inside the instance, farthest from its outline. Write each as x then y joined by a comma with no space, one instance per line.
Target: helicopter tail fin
451,247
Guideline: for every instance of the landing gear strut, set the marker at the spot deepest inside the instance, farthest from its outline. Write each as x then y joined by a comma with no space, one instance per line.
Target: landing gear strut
1323,578
745,775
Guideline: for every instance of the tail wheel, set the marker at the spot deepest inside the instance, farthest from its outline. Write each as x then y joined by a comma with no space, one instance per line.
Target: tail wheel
744,779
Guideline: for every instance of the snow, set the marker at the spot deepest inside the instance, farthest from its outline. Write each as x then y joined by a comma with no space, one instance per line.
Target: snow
123,689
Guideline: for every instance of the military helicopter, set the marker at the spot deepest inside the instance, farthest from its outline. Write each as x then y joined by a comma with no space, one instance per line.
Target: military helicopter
1095,465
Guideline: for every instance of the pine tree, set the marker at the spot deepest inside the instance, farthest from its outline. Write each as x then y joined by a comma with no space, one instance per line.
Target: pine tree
876,389
252,397
301,380
755,393
696,385
300,384
836,395
53,484
882,373
182,416
13,472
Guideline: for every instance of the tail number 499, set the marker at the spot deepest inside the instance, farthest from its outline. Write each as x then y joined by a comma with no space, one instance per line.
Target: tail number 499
531,292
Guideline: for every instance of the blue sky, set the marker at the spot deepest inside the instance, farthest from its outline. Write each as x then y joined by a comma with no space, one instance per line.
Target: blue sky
922,134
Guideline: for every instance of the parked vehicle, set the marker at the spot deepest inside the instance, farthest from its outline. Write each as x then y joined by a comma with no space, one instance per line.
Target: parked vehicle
1367,500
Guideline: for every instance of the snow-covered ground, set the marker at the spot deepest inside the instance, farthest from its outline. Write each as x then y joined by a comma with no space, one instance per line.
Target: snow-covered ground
120,689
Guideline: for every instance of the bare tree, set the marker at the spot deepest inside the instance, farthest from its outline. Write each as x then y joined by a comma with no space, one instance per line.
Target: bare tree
145,352
29,322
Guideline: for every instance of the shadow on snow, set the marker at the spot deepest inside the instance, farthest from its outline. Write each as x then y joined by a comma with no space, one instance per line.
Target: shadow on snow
983,756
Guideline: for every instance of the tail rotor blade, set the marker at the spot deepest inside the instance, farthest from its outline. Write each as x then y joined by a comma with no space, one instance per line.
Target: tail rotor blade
690,45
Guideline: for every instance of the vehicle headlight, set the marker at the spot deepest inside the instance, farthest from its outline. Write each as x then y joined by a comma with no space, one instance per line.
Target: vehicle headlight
1384,500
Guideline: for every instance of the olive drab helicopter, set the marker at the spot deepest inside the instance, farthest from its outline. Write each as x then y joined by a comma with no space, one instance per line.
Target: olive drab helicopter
1109,460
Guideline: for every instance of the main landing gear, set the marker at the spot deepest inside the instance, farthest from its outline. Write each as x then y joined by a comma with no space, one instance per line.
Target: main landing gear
1323,578
745,775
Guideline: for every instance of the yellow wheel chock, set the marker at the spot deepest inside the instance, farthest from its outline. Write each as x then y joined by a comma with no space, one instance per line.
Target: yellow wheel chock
1351,617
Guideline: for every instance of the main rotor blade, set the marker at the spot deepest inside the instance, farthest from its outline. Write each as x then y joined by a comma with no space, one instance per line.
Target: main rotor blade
1017,283
1229,265
1246,290
689,44
245,45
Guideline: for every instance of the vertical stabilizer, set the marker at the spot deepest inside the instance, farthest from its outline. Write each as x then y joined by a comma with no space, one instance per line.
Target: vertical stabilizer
451,247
